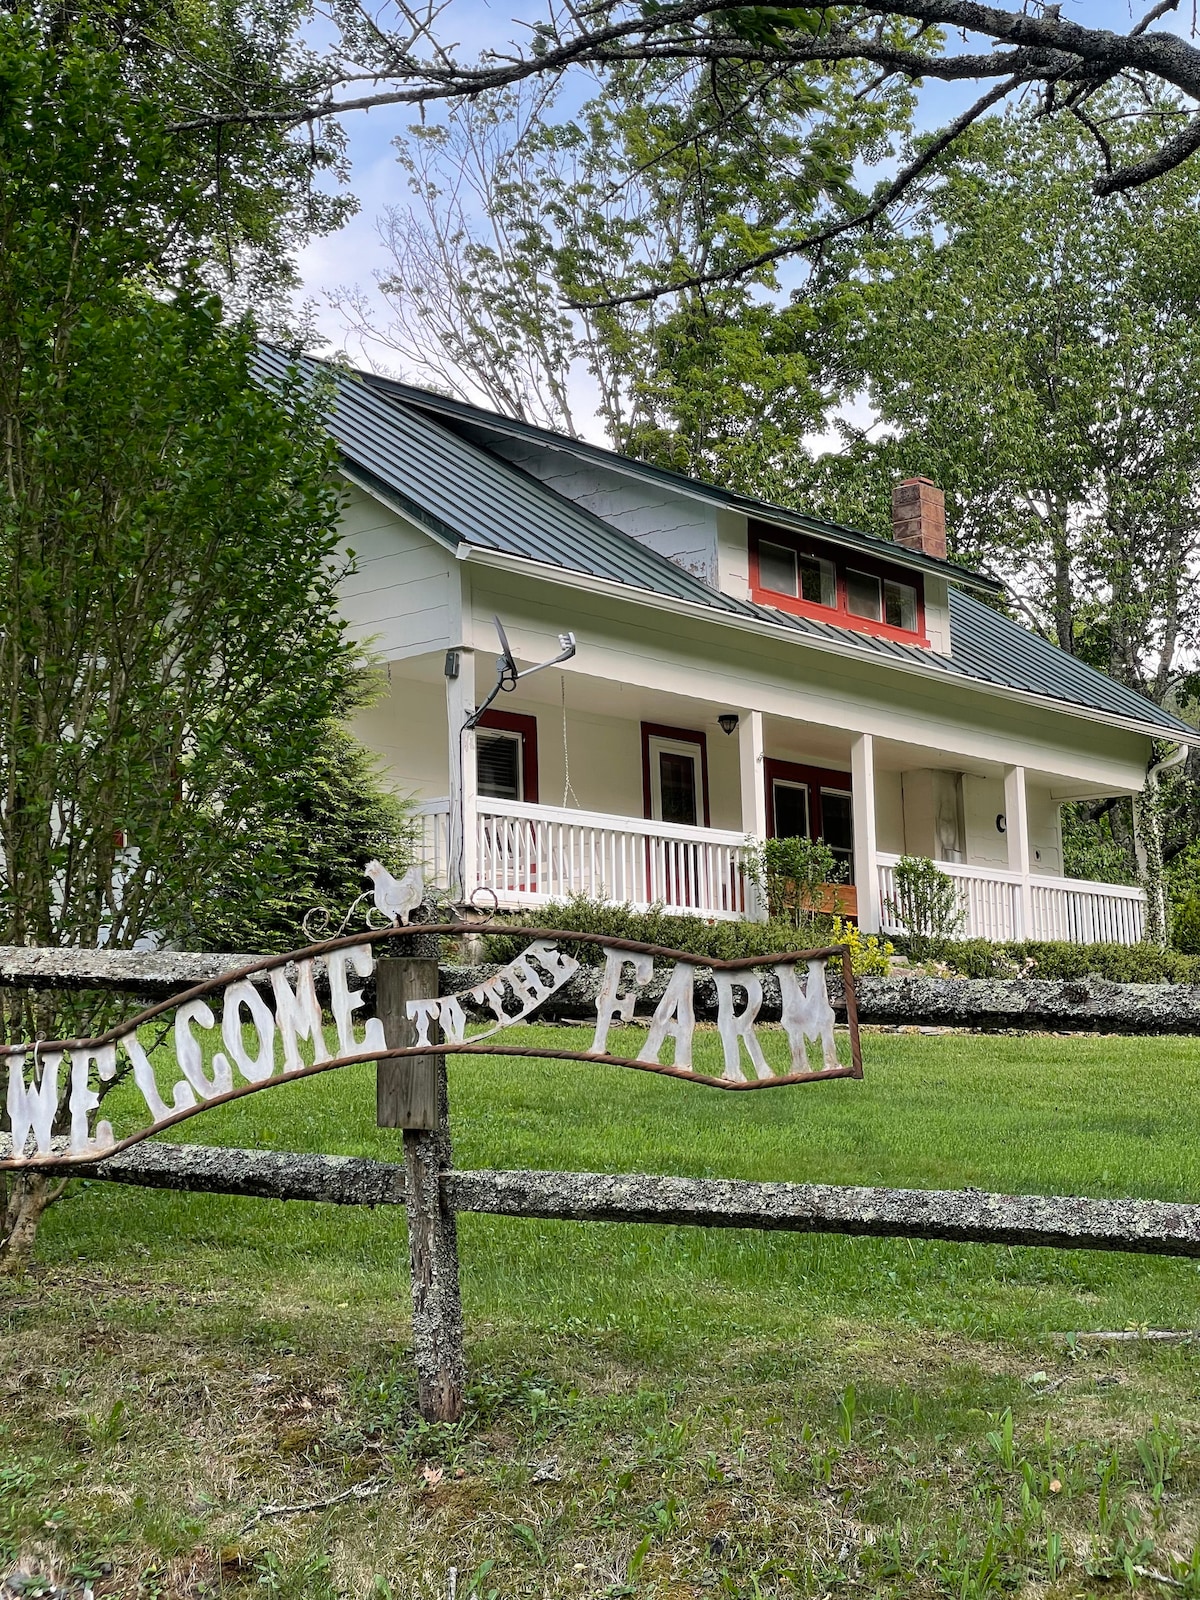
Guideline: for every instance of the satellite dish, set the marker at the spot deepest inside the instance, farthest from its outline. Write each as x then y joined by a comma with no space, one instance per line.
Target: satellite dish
507,674
506,666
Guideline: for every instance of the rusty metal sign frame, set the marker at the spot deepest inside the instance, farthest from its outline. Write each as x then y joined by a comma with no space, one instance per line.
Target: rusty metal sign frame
677,1016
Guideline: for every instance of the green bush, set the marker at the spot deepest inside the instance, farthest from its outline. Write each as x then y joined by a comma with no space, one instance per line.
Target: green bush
1122,963
1185,926
791,875
308,854
723,941
926,904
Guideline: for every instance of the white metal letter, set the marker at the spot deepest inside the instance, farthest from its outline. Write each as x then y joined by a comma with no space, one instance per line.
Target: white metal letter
674,1018
31,1107
609,1008
346,1000
254,1068
807,1013
737,1027
189,1056
298,1015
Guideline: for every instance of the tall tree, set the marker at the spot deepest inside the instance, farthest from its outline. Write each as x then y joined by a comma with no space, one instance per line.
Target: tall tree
1039,356
517,208
169,638
399,55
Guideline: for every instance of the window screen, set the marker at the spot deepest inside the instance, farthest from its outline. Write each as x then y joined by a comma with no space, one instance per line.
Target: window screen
818,581
677,787
499,763
900,605
862,595
777,568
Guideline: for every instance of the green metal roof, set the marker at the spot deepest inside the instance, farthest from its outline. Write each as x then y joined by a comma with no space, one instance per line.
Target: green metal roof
476,424
405,450
990,646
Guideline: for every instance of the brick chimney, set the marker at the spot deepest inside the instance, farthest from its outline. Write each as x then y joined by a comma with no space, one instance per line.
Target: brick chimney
919,516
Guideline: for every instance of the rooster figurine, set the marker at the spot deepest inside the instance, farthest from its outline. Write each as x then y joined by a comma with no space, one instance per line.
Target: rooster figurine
396,898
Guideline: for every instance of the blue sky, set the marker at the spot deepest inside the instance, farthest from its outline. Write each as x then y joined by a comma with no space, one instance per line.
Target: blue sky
352,257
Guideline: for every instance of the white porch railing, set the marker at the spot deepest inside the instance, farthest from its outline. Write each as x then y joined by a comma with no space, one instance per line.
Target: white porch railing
995,905
531,854
433,817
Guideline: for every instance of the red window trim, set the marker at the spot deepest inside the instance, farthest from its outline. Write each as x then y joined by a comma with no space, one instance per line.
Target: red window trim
840,615
658,730
817,778
526,726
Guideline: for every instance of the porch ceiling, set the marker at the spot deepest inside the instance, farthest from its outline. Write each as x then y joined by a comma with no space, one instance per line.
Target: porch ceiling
785,739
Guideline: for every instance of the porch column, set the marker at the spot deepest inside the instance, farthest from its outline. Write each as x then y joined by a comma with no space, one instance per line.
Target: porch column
754,793
866,872
1016,834
460,702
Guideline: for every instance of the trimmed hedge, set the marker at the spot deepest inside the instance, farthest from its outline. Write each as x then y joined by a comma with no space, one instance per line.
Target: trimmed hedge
724,941
1122,963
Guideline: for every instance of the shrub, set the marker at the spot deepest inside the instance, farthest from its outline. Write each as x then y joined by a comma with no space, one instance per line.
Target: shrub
1121,963
722,941
790,874
1185,926
308,853
925,904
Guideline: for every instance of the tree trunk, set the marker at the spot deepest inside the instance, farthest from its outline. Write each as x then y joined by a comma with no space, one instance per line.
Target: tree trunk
1147,817
28,1195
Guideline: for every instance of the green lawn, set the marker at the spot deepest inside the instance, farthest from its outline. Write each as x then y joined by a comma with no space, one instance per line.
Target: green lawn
664,1411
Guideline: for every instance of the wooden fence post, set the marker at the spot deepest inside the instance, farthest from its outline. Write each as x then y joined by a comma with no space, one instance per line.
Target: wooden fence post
413,1095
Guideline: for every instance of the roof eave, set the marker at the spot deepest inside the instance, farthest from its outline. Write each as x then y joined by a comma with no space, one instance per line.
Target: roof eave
572,578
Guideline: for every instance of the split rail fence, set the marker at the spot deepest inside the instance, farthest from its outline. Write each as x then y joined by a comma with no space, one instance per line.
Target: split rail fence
434,1190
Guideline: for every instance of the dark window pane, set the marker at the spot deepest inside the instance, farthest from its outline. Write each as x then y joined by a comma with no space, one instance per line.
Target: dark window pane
900,605
498,763
791,810
677,785
862,595
777,568
837,818
818,582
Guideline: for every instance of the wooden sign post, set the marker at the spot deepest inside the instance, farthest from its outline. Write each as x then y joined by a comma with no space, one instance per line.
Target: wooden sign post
413,1094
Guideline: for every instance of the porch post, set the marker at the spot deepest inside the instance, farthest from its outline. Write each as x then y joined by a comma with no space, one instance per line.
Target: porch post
460,702
754,795
866,872
1016,833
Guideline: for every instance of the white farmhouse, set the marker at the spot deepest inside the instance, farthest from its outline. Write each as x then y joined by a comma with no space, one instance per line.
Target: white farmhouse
741,670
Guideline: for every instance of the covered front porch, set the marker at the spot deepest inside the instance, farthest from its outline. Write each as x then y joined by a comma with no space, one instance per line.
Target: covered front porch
578,785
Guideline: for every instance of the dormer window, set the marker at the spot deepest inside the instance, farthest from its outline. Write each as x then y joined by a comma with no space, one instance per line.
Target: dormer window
797,573
851,591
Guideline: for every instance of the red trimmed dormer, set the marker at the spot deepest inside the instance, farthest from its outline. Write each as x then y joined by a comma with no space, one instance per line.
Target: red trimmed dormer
847,588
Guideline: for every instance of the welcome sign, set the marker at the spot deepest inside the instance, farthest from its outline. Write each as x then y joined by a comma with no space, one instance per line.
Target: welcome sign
269,1028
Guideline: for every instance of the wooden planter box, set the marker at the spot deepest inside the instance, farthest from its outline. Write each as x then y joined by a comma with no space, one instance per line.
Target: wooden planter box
837,899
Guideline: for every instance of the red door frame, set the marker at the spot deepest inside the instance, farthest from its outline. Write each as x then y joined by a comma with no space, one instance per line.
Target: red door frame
815,777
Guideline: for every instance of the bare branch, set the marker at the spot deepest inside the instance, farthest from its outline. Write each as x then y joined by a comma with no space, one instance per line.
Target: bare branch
1166,158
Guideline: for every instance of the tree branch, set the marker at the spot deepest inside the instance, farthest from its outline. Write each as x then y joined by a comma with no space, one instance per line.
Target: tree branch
903,181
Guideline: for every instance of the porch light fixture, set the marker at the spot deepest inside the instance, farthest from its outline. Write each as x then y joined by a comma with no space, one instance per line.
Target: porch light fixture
728,721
